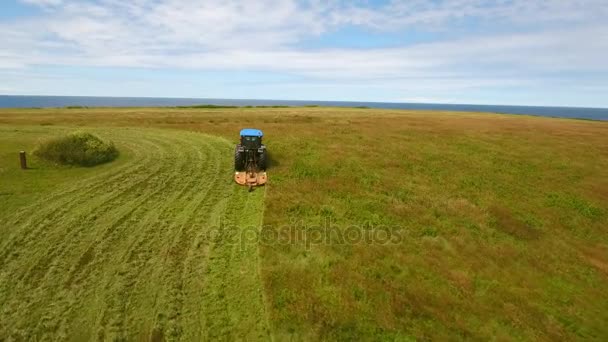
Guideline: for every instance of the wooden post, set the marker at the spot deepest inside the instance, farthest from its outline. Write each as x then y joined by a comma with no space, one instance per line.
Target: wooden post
22,160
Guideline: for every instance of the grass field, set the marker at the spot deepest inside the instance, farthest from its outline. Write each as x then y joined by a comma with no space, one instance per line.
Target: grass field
126,251
499,226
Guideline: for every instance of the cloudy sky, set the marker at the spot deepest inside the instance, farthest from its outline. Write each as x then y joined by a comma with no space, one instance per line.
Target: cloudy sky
527,52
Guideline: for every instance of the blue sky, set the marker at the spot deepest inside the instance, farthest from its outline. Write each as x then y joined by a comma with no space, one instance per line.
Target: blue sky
520,52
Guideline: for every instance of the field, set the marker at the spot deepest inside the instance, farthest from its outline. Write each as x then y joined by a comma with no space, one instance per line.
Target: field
482,226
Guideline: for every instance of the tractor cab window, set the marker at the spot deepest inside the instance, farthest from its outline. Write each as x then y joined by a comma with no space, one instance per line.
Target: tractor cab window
251,141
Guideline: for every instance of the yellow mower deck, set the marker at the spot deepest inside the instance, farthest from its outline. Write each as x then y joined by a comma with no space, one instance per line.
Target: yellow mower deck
250,179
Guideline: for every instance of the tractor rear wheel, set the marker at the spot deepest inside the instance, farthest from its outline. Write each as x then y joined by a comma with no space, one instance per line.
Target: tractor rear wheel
239,160
262,161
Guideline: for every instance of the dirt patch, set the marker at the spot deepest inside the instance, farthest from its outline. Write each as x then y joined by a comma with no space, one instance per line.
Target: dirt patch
597,257
504,220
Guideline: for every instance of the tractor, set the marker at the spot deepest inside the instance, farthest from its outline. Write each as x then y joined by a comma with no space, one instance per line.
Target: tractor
250,158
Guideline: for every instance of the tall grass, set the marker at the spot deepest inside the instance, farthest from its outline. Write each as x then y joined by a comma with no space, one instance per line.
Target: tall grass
78,148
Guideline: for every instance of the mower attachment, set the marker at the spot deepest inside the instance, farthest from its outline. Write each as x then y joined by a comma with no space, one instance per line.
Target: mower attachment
250,179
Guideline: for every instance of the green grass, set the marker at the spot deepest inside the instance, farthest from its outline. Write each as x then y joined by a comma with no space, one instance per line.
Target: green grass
137,250
500,222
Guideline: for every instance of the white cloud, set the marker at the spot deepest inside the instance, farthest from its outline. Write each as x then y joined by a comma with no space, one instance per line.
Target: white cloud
444,14
553,37
43,2
553,51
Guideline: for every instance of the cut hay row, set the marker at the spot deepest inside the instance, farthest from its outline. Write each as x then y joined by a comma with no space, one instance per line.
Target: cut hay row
134,253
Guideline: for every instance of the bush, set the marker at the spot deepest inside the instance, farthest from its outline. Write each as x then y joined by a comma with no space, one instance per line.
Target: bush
78,148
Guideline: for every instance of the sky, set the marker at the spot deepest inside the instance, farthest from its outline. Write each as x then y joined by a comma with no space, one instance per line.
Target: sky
514,52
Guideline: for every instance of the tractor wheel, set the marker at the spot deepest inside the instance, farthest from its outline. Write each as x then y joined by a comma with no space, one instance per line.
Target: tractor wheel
262,161
239,160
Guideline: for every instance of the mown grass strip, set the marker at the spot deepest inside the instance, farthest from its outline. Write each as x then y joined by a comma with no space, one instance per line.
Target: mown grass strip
128,257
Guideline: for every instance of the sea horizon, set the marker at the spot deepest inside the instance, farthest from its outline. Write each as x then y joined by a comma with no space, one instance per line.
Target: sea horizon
58,101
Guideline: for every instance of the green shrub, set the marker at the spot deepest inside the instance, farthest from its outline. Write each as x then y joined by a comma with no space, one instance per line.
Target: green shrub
78,148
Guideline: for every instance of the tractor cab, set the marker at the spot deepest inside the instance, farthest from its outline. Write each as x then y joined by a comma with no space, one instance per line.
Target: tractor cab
251,138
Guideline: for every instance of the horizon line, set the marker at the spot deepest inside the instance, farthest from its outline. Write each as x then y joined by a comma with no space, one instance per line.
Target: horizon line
296,100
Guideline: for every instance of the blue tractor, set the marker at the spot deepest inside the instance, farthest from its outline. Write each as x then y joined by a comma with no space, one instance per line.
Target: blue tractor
250,158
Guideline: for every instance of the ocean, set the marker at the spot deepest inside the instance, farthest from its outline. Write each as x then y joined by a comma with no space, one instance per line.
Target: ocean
11,101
